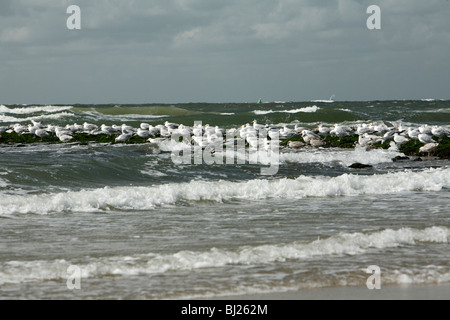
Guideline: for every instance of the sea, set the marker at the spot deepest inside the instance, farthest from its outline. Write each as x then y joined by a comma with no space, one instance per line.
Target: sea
125,221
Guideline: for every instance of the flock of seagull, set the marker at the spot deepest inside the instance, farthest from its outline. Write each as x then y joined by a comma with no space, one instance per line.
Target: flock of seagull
369,134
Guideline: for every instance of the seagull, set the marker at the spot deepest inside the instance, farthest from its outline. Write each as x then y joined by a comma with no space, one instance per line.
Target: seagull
41,133
324,130
273,133
425,138
124,137
87,127
309,135
32,128
20,129
65,138
183,130
145,134
413,133
153,131
286,132
164,132
399,139
62,131
197,130
128,128
367,139
107,129
438,132
243,130
364,128
428,148
220,131
340,131
381,129
425,130
393,147
317,143
171,125
75,128
200,141
257,126
388,136
209,130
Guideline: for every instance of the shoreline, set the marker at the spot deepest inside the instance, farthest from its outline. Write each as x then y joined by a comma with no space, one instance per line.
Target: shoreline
388,292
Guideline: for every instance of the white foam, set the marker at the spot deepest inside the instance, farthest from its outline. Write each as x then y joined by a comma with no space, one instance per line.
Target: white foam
337,245
31,110
323,101
3,183
306,110
345,157
10,119
147,198
123,117
153,173
442,110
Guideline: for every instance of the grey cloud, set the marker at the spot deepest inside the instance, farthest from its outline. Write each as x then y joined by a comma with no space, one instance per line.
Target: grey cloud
223,50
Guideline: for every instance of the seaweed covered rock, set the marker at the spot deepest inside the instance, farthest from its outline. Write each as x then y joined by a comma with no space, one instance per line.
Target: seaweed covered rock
411,148
443,150
360,166
344,142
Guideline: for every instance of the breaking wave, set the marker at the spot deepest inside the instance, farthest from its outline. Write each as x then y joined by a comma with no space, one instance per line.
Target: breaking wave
151,263
147,198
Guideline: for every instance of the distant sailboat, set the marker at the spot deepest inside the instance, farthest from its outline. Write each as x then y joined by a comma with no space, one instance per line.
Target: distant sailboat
259,101
331,100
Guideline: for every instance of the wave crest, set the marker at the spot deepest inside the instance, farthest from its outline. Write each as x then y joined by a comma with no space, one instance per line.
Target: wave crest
147,198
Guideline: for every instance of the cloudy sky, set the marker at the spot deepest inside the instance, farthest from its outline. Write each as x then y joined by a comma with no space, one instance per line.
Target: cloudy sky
170,51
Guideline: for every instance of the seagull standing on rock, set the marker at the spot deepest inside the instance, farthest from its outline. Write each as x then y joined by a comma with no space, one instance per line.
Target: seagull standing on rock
41,133
108,130
428,148
309,135
426,138
143,133
19,129
324,130
341,131
399,139
439,132
413,133
125,136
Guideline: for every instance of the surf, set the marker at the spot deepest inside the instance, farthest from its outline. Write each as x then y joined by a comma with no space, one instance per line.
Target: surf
148,198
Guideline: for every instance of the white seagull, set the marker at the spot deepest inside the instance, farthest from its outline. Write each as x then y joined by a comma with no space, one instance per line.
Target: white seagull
399,139
426,138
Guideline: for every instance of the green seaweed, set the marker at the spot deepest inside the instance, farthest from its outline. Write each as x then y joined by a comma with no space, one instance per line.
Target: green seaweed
443,150
14,138
297,137
344,142
380,145
411,148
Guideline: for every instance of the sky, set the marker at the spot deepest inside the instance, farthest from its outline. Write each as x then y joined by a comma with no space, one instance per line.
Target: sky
176,51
